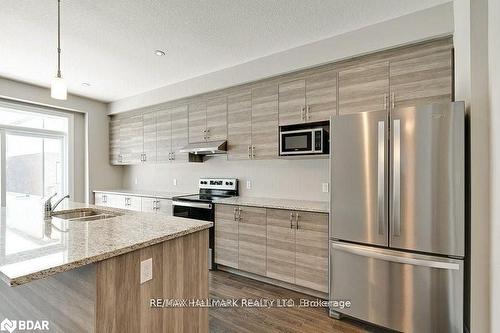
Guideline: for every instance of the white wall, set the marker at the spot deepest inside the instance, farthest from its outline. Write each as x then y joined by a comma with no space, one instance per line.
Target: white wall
494,85
290,179
471,80
418,26
100,173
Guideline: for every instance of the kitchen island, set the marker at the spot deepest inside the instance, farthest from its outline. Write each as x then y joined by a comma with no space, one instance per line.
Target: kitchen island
80,270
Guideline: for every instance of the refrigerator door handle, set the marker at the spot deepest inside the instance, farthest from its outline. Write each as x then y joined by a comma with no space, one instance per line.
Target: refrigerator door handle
396,181
384,255
381,177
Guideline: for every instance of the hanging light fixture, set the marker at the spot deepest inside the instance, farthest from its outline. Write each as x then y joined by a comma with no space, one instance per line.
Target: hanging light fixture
58,88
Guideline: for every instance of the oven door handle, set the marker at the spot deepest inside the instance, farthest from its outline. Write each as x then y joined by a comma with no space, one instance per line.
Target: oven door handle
192,204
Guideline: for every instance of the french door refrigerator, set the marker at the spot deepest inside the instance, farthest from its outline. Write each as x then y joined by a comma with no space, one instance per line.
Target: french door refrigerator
397,230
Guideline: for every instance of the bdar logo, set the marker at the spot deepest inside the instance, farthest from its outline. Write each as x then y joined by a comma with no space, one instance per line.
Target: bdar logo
8,325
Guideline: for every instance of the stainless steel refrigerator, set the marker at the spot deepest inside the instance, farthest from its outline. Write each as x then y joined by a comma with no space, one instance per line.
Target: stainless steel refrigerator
397,230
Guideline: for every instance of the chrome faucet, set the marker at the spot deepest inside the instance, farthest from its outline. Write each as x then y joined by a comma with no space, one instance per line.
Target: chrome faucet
49,208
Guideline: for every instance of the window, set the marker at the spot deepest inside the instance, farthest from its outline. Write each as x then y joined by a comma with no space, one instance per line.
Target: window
34,156
34,163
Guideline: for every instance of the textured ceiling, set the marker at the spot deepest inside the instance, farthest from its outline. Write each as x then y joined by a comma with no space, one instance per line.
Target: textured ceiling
110,43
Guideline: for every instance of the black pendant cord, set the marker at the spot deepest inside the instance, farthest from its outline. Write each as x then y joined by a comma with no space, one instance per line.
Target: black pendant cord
58,38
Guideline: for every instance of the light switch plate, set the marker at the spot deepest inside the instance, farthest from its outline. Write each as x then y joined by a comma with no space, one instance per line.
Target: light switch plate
249,184
324,186
175,182
146,270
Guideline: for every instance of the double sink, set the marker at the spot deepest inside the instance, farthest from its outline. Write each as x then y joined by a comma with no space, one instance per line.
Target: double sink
87,214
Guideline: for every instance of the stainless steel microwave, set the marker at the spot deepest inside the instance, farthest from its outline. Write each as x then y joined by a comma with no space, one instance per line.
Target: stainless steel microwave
305,141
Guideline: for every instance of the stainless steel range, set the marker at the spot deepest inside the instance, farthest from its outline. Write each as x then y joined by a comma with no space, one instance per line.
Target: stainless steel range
201,206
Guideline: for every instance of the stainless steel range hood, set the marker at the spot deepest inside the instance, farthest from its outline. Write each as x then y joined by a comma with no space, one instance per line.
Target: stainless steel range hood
206,148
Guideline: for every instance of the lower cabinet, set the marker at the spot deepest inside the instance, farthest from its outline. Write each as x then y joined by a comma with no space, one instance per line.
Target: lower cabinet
252,240
157,205
311,250
226,235
136,203
289,246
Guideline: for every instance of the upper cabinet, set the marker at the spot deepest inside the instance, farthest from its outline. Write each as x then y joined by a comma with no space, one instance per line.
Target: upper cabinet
239,125
172,134
216,128
364,88
249,117
264,138
425,76
311,99
131,140
149,137
418,75
208,120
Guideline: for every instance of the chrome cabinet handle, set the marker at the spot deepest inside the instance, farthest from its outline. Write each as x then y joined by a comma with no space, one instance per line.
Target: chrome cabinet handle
302,112
173,155
385,101
393,99
291,220
234,215
307,112
381,177
297,221
239,213
396,184
253,152
250,152
145,158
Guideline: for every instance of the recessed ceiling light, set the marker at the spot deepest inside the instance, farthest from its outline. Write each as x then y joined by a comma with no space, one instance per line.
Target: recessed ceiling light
159,53
85,84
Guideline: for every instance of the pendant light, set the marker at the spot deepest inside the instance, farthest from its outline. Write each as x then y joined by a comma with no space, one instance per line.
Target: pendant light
58,88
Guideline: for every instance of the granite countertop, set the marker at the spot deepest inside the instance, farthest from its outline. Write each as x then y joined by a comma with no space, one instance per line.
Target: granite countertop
143,193
32,247
302,205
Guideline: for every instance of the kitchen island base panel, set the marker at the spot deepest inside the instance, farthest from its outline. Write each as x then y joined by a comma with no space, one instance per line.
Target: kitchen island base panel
107,296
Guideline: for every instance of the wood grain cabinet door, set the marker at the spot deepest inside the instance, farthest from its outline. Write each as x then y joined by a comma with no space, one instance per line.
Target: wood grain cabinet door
425,77
216,129
197,115
252,240
164,206
114,142
131,139
179,119
292,102
311,251
239,125
321,96
281,245
265,122
226,235
364,88
150,139
163,136
148,204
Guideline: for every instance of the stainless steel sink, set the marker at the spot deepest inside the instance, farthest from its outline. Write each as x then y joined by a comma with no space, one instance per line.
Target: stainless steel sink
84,215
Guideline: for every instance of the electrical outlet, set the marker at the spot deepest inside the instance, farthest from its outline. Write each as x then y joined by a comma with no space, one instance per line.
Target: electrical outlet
249,184
175,182
136,180
324,186
146,270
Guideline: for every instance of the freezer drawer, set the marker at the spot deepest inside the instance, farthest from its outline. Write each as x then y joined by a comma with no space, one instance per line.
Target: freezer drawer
402,291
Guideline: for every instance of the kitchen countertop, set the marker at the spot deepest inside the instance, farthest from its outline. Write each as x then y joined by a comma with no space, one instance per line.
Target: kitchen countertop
143,193
32,248
301,205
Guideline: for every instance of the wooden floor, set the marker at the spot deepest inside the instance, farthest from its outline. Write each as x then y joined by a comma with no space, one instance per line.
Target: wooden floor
255,320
